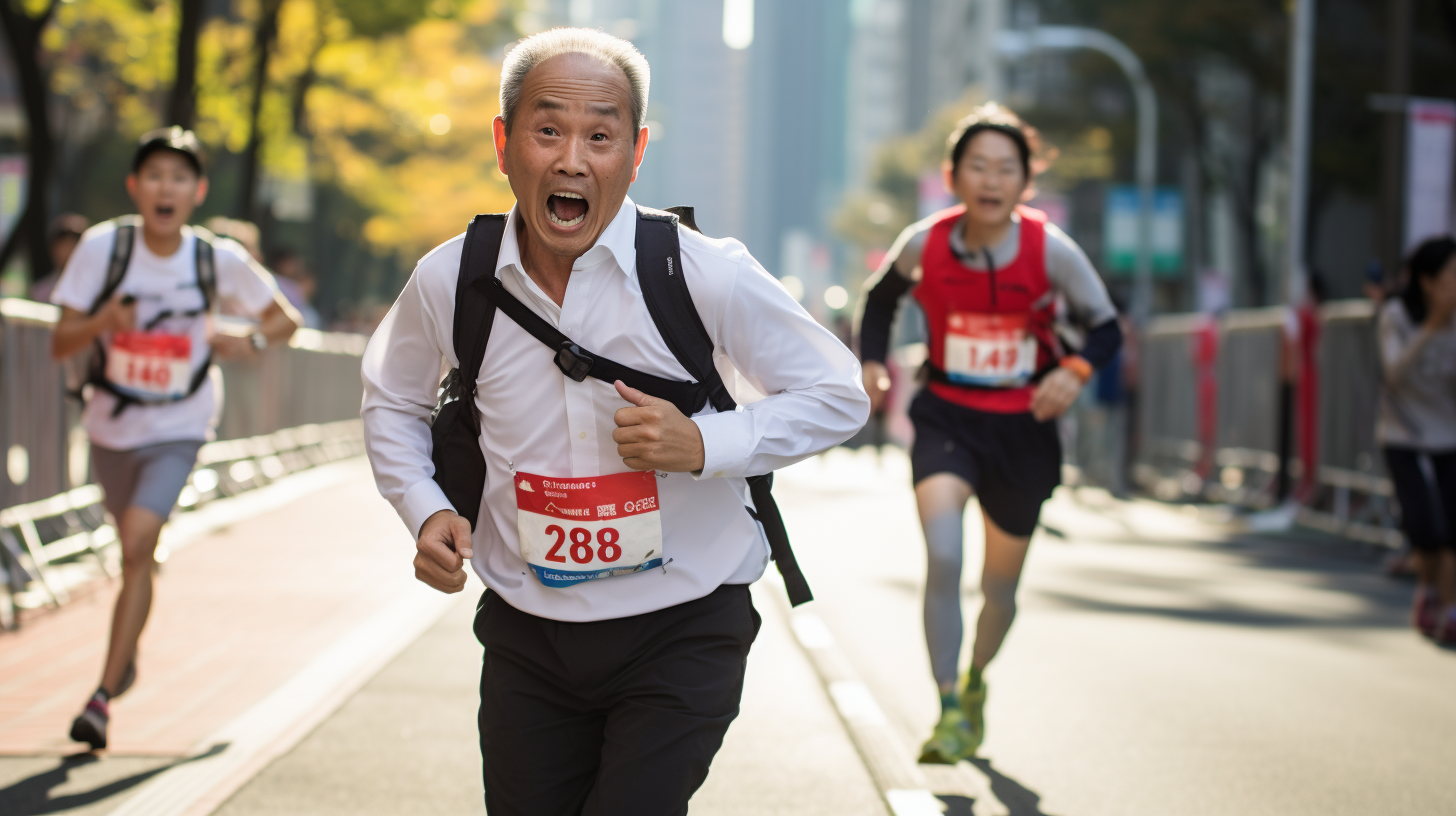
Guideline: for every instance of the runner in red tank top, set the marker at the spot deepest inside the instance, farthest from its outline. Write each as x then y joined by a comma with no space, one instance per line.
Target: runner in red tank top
991,276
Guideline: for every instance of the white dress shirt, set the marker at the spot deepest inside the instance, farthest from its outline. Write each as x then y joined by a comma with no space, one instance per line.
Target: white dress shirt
535,419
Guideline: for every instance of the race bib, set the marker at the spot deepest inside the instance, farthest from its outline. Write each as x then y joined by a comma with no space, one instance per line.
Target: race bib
995,350
575,530
150,364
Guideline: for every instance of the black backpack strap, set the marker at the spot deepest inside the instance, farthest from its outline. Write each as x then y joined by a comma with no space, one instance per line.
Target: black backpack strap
659,273
665,290
122,243
460,468
205,262
578,363
685,216
474,313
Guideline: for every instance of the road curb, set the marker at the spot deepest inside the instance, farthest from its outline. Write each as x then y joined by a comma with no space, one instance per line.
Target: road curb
225,760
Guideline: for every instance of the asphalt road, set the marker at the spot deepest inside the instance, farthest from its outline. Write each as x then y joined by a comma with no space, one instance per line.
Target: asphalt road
1159,665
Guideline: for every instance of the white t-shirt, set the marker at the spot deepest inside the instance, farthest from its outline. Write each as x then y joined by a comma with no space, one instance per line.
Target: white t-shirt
160,284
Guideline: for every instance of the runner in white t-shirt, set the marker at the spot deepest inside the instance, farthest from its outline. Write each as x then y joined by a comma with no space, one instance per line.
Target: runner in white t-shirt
154,396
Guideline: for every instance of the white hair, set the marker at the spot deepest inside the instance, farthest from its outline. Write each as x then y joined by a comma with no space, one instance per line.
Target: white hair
598,45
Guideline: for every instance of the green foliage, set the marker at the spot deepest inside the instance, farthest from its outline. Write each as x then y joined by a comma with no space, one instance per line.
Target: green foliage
381,108
377,18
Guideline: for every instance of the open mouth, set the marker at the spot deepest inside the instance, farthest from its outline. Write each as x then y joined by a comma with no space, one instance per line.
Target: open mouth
566,209
988,201
164,210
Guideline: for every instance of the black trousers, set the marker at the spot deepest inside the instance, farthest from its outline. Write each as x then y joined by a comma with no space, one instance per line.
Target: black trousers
617,716
1427,511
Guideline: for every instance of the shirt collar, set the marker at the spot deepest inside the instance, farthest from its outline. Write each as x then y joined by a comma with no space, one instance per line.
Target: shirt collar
958,241
617,242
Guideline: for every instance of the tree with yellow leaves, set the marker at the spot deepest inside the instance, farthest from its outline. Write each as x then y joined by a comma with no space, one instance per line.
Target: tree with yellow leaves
383,105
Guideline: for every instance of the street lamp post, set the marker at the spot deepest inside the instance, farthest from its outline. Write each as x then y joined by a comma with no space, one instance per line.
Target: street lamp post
1301,80
1018,43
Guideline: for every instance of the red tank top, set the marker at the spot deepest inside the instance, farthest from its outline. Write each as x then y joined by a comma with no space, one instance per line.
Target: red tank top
989,331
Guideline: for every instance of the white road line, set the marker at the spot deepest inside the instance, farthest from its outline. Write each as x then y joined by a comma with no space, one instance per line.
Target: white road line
907,788
277,722
887,758
914,803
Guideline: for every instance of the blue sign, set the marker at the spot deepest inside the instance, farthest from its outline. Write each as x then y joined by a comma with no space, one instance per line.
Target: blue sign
1120,231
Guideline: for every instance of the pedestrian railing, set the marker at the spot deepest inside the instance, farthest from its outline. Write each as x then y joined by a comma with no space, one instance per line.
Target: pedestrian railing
1172,449
1352,494
1248,405
292,408
1217,418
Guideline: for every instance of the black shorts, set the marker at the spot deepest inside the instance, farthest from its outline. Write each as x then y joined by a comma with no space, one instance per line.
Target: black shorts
1011,460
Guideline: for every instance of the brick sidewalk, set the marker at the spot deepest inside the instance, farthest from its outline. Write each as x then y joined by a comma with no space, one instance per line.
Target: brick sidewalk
234,616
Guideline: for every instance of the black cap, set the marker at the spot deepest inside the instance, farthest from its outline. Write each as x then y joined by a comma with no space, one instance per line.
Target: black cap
176,139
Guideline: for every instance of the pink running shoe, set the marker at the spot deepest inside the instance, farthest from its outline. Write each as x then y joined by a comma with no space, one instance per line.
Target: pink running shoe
90,726
1425,612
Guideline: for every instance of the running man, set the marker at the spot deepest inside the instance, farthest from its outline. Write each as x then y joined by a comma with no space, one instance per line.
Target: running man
604,689
992,277
139,292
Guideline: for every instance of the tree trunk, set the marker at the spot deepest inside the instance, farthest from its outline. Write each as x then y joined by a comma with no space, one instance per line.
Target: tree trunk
182,102
22,34
264,35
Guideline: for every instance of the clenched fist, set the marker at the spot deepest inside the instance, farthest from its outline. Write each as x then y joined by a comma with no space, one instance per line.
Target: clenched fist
654,435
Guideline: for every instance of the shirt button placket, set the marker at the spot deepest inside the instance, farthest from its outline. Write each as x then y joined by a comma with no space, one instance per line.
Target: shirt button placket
580,411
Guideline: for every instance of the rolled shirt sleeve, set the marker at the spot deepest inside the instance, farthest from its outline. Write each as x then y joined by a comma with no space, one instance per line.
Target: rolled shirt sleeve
815,397
401,371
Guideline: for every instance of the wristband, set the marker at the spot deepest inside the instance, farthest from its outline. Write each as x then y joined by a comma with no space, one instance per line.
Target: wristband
1077,365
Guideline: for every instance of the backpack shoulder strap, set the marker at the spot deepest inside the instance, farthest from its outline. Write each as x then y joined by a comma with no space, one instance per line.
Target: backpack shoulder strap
474,313
122,243
665,290
205,261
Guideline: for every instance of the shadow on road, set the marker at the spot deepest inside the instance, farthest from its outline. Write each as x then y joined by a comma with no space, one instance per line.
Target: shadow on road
32,796
1018,799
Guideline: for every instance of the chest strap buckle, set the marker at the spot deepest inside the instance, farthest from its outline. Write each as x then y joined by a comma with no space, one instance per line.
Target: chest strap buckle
574,362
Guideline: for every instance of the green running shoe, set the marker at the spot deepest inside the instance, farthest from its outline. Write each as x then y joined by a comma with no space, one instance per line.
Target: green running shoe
952,740
973,706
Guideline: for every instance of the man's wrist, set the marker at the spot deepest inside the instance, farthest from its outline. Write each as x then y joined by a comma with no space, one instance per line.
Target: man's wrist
1078,365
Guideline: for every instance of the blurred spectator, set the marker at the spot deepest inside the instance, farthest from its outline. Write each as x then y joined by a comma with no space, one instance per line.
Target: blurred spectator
64,234
1373,287
297,283
1416,425
245,233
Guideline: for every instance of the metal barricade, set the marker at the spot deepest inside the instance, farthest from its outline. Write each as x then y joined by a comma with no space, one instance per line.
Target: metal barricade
34,416
1251,353
292,408
1170,449
1353,495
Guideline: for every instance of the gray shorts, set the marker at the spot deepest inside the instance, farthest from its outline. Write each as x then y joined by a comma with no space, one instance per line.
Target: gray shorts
151,476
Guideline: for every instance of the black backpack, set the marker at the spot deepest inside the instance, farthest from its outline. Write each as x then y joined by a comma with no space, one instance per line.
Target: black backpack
455,425
122,244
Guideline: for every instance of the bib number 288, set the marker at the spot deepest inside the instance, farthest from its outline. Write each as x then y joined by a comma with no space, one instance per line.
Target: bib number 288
586,528
581,549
